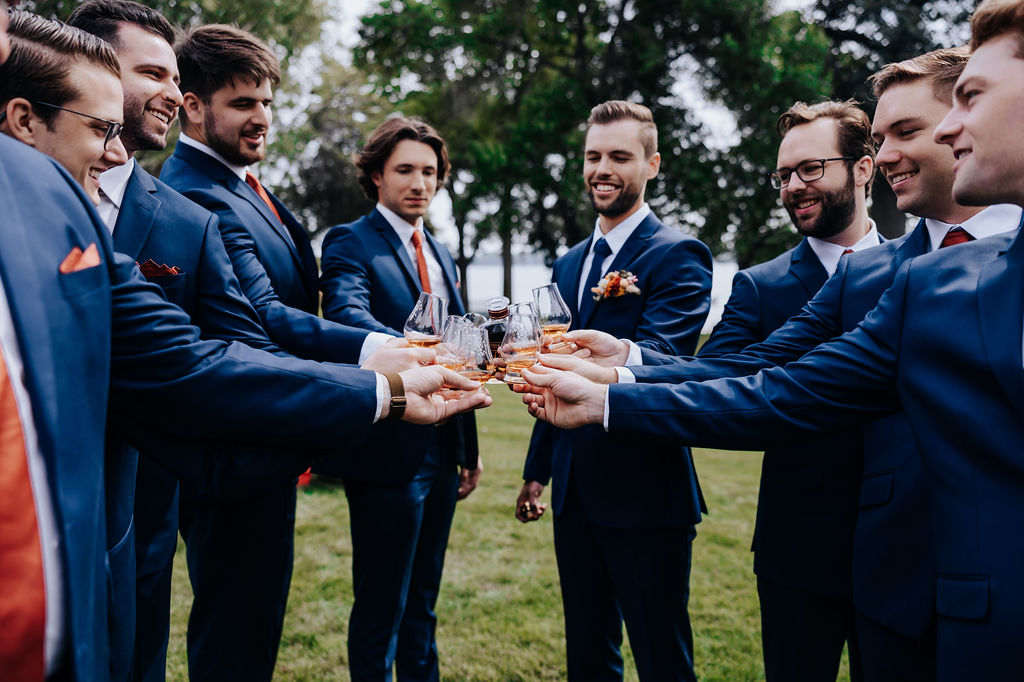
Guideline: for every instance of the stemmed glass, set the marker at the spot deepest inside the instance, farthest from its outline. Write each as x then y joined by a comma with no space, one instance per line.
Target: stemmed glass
553,315
520,347
476,350
425,324
450,352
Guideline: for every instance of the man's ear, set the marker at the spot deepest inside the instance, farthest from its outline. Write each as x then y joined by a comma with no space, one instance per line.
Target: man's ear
863,170
653,165
193,111
21,121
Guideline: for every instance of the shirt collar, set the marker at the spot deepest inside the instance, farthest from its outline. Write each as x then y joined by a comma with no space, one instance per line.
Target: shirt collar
621,232
114,181
240,171
990,221
829,253
399,224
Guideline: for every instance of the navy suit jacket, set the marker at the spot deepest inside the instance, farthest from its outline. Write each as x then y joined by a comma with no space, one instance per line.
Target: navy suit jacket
658,487
945,343
806,507
274,262
104,332
370,282
893,569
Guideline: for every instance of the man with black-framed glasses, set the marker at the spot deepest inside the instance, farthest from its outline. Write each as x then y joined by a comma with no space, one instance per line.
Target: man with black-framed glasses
824,171
75,117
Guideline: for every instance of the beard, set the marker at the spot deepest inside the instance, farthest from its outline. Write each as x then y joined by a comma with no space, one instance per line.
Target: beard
136,134
231,147
626,200
837,209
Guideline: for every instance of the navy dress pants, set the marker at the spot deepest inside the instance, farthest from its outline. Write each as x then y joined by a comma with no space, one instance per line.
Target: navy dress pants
803,633
399,536
610,575
239,556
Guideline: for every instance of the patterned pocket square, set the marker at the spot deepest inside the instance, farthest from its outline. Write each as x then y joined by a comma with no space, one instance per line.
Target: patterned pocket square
78,260
152,269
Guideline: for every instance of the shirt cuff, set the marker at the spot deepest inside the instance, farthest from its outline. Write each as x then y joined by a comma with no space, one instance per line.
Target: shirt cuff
383,394
372,342
625,375
607,407
635,357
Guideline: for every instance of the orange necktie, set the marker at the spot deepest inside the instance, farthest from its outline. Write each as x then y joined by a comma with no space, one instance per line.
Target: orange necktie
421,261
251,180
956,235
23,604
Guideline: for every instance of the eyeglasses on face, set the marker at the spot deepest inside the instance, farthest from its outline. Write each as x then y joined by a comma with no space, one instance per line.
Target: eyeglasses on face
113,129
808,171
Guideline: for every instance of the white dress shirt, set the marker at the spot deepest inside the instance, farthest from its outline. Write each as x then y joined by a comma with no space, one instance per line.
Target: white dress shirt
829,253
988,222
113,183
615,239
404,230
49,536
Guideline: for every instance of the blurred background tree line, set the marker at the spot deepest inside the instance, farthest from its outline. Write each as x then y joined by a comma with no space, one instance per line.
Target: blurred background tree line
508,83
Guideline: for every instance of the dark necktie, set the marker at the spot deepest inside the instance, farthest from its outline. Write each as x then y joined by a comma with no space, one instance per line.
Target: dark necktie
23,605
956,235
421,260
601,251
251,180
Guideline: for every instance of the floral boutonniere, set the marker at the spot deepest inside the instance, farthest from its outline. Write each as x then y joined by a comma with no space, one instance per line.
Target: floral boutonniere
615,284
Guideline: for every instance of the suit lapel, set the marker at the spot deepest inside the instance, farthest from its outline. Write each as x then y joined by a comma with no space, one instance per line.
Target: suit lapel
626,255
389,235
137,214
916,244
805,266
1001,305
450,276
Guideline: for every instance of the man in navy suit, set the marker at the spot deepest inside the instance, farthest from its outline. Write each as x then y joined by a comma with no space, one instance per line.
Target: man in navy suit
824,174
401,512
893,556
79,324
944,342
612,524
227,77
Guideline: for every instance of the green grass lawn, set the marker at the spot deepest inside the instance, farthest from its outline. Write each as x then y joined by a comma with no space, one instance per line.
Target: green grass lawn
500,612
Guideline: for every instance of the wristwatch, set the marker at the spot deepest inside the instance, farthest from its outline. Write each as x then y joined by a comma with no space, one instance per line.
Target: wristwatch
398,401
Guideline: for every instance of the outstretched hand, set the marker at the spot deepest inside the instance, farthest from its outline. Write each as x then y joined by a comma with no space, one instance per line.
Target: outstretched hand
585,368
397,356
427,404
563,399
603,349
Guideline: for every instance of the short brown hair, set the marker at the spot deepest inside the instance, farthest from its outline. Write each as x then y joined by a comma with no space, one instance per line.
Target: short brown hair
213,56
42,54
942,67
993,18
854,127
620,110
103,18
383,141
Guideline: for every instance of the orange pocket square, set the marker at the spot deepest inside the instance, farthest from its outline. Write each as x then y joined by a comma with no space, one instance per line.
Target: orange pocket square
80,260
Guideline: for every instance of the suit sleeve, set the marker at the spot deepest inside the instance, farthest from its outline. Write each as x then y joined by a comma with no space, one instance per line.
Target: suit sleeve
296,331
678,299
819,321
345,281
740,325
223,312
163,375
848,381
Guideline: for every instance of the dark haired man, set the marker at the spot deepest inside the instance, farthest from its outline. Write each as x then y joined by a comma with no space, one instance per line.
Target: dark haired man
78,326
373,271
613,522
227,77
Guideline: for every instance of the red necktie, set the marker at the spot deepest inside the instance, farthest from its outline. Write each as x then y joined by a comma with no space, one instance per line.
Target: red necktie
23,601
956,235
251,180
421,261
846,252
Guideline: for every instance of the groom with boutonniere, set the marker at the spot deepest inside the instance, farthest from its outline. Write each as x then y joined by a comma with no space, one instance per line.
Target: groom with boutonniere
640,280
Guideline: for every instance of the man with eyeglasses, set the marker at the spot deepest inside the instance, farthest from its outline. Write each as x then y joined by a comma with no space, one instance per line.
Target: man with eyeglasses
824,174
